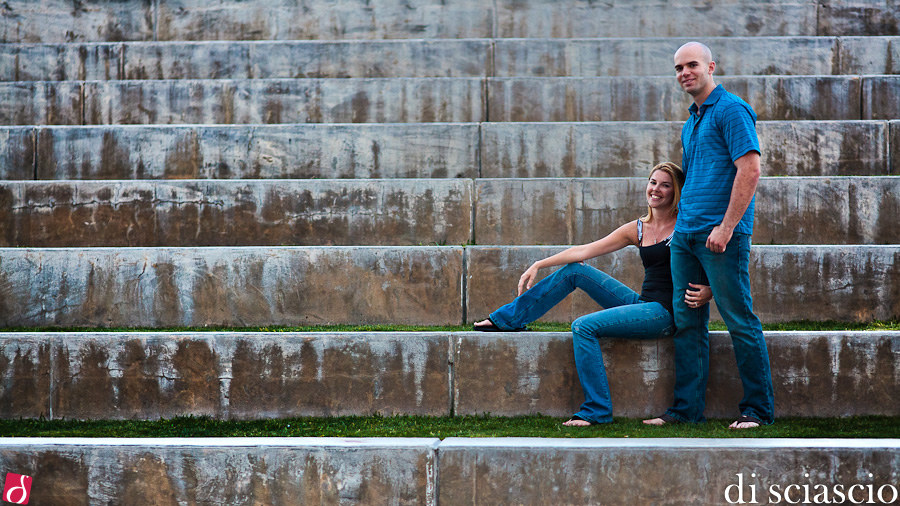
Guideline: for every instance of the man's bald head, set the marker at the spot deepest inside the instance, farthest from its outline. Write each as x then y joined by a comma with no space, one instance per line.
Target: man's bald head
698,48
694,70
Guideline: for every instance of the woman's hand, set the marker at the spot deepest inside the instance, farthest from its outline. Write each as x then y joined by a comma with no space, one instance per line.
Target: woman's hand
527,279
700,295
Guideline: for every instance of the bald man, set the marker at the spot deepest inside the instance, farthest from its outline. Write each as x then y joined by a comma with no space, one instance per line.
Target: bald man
712,234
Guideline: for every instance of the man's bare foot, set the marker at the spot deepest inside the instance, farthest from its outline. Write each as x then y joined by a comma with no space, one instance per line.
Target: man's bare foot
662,420
577,422
746,422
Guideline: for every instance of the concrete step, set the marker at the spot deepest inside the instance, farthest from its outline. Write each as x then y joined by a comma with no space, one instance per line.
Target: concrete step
667,472
252,375
455,471
469,150
440,58
409,212
252,101
57,21
225,471
659,98
412,100
428,285
788,283
377,212
795,210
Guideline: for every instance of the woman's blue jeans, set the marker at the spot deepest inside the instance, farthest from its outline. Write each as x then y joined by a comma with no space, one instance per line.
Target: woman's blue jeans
729,279
624,315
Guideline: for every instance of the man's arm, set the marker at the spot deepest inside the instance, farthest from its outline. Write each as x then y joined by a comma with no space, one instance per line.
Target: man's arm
741,195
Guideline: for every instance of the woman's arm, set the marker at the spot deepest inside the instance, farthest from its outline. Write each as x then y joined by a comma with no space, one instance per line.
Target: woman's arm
618,239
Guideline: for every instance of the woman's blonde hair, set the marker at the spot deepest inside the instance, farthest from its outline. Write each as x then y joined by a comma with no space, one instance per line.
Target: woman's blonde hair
677,176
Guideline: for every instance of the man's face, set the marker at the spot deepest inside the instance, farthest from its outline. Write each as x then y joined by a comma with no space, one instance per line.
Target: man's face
693,70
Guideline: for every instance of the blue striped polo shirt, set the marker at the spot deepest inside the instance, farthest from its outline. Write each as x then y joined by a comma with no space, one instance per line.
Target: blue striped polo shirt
722,130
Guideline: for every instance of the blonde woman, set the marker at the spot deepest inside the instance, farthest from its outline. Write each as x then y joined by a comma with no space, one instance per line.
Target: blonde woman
626,313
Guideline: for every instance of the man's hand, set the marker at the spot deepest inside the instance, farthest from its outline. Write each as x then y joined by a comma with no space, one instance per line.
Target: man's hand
718,239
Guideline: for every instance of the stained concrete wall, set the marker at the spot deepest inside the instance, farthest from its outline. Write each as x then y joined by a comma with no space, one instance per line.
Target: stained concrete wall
166,287
659,98
440,150
440,58
274,471
412,100
427,471
665,472
823,374
796,210
223,375
789,283
401,212
148,375
268,101
57,21
303,151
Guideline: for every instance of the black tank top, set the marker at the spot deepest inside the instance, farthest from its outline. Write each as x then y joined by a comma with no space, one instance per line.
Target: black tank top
657,285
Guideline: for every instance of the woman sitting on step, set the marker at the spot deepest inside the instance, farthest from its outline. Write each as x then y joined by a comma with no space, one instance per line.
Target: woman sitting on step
626,314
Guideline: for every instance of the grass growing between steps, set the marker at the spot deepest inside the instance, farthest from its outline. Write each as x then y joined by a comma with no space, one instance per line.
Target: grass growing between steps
890,325
443,427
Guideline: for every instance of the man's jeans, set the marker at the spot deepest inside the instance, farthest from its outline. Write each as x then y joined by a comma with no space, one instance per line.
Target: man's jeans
624,316
729,279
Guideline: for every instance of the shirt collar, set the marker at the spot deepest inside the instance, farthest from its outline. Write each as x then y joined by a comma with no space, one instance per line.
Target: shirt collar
710,100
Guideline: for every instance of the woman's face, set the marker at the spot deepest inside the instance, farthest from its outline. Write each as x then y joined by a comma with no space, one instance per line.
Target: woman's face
660,190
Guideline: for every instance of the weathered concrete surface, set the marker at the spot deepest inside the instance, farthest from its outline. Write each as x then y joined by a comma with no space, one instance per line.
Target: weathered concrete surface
167,287
252,375
92,20
303,151
344,19
664,472
894,149
881,97
17,156
89,20
393,212
789,210
61,62
268,101
308,59
870,55
816,374
272,471
630,98
859,17
653,56
789,283
850,283
492,275
653,18
630,149
41,103
492,150
223,375
627,56
845,210
410,100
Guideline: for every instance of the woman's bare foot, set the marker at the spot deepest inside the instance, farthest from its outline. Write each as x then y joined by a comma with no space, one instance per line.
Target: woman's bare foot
577,422
483,323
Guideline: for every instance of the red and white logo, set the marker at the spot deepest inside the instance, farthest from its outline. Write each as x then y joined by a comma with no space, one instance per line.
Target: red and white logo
17,488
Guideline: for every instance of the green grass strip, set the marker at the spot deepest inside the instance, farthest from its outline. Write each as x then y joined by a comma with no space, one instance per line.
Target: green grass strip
443,427
891,325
